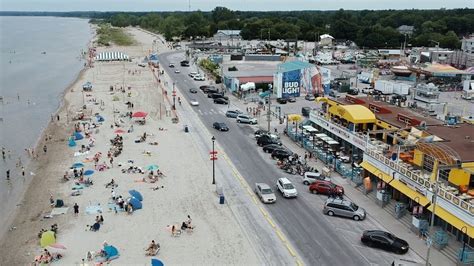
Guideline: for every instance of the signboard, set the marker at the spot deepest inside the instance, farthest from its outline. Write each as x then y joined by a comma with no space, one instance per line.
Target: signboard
291,84
325,79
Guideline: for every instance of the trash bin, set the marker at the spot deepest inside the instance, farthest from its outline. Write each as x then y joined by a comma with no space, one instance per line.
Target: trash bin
221,199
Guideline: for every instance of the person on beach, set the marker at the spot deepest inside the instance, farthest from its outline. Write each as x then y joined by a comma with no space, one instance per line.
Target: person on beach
3,153
101,219
152,249
23,171
76,209
51,200
111,162
45,149
8,174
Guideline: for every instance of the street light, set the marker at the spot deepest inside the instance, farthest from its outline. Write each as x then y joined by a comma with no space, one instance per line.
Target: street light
213,159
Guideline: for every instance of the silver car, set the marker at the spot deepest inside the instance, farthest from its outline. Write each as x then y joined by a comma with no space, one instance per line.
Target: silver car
246,119
345,208
265,193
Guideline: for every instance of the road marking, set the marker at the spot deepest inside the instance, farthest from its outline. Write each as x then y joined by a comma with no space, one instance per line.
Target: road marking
280,235
292,252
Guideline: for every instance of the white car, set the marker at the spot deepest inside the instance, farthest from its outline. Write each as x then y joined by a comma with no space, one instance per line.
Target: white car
310,177
286,188
194,102
193,74
177,71
199,78
265,193
246,119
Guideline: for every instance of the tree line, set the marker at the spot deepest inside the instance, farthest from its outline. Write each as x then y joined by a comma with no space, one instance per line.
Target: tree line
367,28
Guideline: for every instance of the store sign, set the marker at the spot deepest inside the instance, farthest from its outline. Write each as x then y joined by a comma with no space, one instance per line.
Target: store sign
291,84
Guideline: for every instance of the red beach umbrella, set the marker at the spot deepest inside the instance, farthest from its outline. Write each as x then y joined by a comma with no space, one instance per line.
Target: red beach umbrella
119,131
139,114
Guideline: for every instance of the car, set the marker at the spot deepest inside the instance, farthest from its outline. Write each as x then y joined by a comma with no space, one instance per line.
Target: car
232,113
260,132
192,74
217,95
246,119
211,90
310,177
286,188
344,208
292,99
184,63
194,102
281,154
221,101
271,147
177,71
220,126
368,90
193,90
282,100
204,87
333,93
309,97
171,65
265,193
265,140
142,64
353,91
384,240
199,78
326,188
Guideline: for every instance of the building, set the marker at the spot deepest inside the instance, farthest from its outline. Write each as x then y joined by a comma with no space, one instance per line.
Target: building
390,54
326,40
227,35
405,29
467,44
404,158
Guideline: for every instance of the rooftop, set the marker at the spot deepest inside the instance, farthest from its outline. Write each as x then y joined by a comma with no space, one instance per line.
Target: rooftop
460,138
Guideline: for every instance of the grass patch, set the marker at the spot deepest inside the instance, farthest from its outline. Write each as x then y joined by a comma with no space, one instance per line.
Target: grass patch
108,34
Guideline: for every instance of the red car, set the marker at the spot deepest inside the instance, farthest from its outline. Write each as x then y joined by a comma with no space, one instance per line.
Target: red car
326,188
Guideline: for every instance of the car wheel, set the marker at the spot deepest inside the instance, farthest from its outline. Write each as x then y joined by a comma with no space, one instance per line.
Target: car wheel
238,121
356,218
330,213
306,183
314,191
273,157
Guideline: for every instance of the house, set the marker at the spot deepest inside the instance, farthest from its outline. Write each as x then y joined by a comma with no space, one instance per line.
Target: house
225,35
405,29
326,40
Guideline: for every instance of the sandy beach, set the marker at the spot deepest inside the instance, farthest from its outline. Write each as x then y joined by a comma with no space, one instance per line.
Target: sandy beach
183,190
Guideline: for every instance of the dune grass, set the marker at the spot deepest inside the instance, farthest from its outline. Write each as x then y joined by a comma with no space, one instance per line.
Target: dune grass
118,36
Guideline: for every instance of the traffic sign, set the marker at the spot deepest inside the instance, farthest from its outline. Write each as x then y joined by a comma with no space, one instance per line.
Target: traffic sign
174,93
213,152
213,157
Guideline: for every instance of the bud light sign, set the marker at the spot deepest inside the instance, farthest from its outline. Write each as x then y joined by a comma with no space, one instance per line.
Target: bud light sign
291,84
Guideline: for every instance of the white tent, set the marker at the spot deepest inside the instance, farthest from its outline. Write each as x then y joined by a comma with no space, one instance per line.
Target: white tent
111,56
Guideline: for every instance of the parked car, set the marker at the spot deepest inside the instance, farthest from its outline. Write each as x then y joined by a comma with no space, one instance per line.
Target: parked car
192,74
309,97
220,126
184,63
194,102
384,240
353,91
142,64
260,132
271,147
220,101
232,113
177,71
218,95
211,89
344,208
333,93
265,140
204,87
281,154
199,78
265,193
326,188
193,90
286,188
282,100
246,119
292,99
310,177
171,65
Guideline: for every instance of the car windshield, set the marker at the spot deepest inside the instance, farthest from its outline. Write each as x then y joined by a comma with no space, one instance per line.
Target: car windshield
267,191
354,207
221,124
288,186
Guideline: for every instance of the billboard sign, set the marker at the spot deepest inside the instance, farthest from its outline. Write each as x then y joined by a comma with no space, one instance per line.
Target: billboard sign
291,84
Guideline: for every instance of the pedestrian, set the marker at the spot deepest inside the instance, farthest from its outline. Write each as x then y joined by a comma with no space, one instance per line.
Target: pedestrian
23,171
8,174
57,117
76,209
51,200
3,152
45,149
111,162
305,156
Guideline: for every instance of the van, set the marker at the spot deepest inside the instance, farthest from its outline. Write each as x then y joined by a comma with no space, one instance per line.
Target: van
310,177
344,208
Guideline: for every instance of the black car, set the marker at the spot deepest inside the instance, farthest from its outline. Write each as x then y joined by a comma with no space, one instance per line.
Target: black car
260,132
281,154
193,90
184,63
271,147
220,101
220,126
291,99
217,95
384,240
353,92
232,113
282,100
204,88
265,140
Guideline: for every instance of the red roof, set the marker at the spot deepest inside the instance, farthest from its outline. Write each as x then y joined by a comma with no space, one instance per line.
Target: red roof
257,79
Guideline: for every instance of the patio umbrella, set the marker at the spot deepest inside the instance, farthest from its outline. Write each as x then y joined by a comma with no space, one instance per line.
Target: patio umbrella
88,172
119,131
47,239
71,142
152,167
136,194
139,114
136,204
58,246
111,252
77,165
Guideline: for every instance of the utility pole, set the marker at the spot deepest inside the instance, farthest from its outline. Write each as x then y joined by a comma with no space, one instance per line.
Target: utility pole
269,112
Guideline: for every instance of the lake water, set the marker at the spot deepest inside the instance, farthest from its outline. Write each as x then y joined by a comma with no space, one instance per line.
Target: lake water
39,58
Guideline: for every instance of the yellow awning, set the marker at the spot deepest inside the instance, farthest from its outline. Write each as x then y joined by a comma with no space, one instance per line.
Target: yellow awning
354,113
395,183
452,220
295,118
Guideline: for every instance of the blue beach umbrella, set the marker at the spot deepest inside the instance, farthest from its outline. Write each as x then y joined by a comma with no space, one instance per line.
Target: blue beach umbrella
136,204
111,252
88,172
152,167
78,136
157,262
77,165
71,142
100,118
135,194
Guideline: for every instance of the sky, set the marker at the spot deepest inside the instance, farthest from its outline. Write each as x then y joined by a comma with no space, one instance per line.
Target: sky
206,5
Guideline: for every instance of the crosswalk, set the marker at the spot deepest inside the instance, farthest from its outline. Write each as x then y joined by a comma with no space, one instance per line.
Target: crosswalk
211,112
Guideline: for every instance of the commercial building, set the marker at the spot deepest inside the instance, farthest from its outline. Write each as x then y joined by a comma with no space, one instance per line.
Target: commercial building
467,44
296,78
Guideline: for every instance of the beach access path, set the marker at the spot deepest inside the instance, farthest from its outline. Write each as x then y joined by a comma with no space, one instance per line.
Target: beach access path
219,238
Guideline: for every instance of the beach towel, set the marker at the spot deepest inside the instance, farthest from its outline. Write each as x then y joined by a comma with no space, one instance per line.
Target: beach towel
80,153
114,207
93,209
77,187
59,211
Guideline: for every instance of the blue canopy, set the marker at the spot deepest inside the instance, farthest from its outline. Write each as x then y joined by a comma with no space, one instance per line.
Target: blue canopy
71,143
136,204
136,194
157,262
100,118
77,165
88,172
78,136
111,252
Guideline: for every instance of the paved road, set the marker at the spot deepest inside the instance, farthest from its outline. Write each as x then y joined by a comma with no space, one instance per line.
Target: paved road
319,239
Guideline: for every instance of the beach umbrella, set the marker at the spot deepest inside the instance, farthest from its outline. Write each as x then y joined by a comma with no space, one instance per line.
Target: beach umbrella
71,142
99,118
57,245
111,252
152,167
88,172
47,239
156,262
77,165
136,204
78,136
119,131
135,194
139,114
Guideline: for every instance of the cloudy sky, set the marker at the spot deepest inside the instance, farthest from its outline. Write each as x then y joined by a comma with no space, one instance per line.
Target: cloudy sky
173,5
